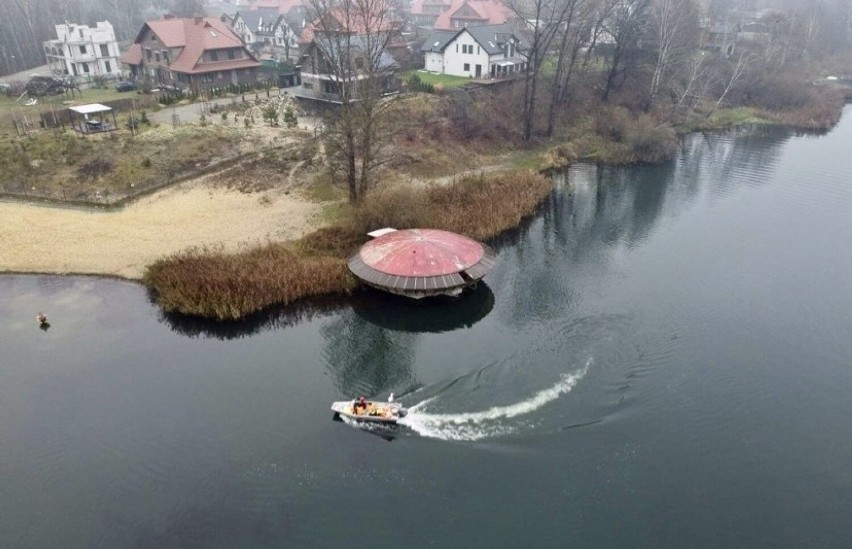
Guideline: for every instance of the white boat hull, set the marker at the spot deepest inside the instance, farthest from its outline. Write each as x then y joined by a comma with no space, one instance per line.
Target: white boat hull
376,412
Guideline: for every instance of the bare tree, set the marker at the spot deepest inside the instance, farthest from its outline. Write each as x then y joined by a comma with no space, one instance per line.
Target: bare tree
545,18
350,43
624,27
737,70
674,23
688,90
573,34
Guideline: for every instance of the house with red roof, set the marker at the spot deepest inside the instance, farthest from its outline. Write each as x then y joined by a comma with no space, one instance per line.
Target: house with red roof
472,13
194,52
424,13
341,51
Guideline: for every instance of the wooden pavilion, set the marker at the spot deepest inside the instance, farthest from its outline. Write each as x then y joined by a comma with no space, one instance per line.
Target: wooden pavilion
93,118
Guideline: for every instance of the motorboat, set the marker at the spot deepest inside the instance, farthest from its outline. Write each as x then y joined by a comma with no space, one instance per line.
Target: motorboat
370,411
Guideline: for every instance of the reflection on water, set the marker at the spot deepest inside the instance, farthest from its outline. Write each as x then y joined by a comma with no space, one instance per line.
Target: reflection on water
273,318
366,359
634,350
431,315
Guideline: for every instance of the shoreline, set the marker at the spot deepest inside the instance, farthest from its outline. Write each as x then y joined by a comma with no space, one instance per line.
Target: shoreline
77,242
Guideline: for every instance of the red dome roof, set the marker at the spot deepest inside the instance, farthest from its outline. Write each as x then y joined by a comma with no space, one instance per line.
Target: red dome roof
422,262
421,252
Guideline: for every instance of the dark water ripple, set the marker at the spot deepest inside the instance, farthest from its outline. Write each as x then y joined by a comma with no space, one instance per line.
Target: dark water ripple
661,358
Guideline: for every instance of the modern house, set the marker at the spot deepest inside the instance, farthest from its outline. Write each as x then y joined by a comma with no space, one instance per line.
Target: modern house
344,53
486,51
265,31
196,53
83,51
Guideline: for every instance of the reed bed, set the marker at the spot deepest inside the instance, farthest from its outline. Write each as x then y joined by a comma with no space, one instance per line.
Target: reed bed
213,284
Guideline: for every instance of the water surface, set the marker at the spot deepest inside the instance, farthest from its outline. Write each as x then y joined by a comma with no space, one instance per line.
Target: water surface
661,358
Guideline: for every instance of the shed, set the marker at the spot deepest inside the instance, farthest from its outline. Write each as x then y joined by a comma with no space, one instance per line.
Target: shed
93,118
420,263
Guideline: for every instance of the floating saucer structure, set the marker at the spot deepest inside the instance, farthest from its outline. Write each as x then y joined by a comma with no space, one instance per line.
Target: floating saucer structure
420,263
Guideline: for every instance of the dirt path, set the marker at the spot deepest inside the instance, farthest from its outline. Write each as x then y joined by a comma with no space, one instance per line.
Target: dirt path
59,240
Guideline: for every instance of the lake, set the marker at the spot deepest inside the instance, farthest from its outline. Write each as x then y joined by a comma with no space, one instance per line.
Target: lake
662,357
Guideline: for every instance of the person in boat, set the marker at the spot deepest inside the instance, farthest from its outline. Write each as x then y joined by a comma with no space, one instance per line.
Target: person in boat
42,318
360,406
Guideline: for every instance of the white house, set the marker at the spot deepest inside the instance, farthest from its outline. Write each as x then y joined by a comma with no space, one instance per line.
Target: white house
486,51
266,31
80,50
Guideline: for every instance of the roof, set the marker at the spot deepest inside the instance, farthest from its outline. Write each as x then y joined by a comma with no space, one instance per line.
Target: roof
438,40
356,43
133,56
194,36
490,37
417,6
380,20
283,6
421,252
421,260
257,17
488,11
91,108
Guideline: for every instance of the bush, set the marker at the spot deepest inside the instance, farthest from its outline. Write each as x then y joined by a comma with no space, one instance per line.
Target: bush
231,286
95,168
651,141
290,119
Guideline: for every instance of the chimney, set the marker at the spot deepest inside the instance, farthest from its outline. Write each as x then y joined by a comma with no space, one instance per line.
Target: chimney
198,19
169,16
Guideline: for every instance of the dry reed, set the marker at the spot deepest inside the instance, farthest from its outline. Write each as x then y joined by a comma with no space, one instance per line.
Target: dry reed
213,284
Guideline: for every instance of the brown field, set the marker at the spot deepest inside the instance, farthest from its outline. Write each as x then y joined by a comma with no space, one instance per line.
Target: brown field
122,243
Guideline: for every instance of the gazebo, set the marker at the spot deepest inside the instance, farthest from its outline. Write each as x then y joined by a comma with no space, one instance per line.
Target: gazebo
420,263
93,118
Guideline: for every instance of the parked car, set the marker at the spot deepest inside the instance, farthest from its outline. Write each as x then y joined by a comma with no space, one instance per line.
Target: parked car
171,89
5,88
125,85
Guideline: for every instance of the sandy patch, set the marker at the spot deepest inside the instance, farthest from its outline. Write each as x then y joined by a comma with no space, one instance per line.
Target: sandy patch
121,243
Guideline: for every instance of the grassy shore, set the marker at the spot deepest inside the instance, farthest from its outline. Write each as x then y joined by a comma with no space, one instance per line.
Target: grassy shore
212,284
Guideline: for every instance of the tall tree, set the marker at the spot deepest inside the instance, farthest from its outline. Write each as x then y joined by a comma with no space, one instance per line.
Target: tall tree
625,26
545,18
350,43
674,24
575,33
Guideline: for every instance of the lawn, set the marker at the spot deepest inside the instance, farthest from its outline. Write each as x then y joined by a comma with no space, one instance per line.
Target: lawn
445,80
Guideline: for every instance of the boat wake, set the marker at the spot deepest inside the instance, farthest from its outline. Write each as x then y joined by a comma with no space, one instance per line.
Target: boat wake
495,422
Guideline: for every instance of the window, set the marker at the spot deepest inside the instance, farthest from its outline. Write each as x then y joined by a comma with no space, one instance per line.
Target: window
80,32
148,54
83,50
477,50
157,57
467,67
85,67
107,66
166,56
231,54
104,50
214,56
